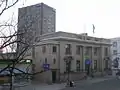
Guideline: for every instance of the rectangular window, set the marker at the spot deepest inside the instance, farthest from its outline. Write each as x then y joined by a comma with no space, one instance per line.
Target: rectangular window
68,67
106,51
54,61
54,49
114,52
77,65
43,49
114,44
87,50
68,49
45,60
106,64
78,50
95,51
95,64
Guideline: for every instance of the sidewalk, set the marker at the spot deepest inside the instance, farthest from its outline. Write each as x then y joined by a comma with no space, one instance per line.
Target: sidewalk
95,80
50,87
98,80
42,87
62,86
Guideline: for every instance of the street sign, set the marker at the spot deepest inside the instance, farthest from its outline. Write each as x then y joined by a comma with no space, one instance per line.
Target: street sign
46,66
88,61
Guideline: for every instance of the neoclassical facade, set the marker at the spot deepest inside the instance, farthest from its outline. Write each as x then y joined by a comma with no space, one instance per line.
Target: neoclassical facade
54,47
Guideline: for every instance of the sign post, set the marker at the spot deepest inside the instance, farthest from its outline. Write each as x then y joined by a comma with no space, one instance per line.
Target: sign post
88,63
46,66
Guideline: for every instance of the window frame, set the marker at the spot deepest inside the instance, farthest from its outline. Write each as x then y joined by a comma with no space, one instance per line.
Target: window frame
78,49
54,61
114,52
46,61
78,65
114,44
68,49
54,49
95,51
106,51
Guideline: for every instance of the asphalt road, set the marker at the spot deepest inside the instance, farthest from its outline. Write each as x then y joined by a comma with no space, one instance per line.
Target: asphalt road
112,84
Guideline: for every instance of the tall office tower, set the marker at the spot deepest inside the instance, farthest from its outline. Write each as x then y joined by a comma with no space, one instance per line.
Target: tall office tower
35,20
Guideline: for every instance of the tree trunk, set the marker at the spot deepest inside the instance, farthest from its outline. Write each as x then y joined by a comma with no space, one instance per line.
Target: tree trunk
11,76
11,80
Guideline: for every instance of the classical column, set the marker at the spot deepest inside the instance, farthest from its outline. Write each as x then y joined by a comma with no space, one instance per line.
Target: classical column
102,58
83,58
99,60
82,55
92,57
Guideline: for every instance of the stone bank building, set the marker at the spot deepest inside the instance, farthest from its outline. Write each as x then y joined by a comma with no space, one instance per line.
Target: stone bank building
52,49
37,22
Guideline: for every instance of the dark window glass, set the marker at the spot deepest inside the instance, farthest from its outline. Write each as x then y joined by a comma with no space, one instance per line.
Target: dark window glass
77,65
54,49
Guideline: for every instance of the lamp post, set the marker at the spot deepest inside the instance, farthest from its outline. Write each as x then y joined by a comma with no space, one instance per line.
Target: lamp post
68,60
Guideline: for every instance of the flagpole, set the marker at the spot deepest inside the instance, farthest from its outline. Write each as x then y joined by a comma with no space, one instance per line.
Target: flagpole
93,34
93,27
84,30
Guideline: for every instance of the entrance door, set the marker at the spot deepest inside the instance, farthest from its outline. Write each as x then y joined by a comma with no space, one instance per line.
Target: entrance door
53,76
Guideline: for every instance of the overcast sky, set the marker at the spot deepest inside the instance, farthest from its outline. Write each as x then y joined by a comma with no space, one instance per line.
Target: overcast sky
77,16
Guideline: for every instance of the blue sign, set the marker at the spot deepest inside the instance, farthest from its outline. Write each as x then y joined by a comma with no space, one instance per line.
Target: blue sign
46,66
87,61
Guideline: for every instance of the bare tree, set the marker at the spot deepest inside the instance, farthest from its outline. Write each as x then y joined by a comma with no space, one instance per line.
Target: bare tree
6,4
9,40
18,42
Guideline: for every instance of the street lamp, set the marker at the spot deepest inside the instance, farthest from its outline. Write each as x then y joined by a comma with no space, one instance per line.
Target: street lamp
68,60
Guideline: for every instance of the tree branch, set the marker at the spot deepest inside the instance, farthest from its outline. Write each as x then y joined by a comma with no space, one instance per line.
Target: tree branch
7,7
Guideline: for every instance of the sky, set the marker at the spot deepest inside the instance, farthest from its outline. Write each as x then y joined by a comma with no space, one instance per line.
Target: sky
77,16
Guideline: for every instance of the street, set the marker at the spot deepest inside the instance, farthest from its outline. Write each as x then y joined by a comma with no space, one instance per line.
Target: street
112,84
